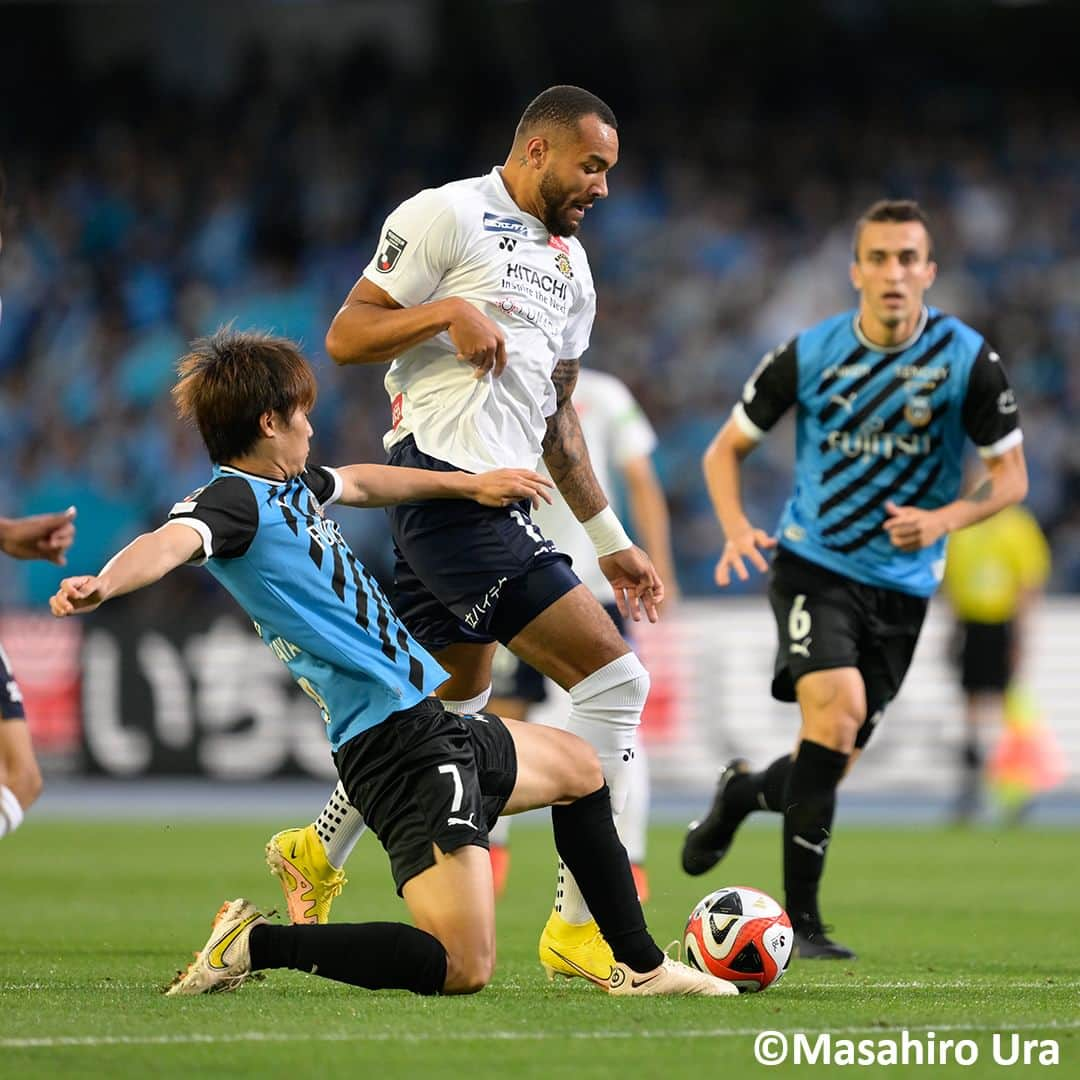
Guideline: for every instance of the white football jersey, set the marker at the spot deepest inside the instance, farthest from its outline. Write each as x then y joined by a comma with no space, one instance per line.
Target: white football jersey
616,431
471,240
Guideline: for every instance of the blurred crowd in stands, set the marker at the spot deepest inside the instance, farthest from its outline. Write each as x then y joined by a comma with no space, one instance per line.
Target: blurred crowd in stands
167,215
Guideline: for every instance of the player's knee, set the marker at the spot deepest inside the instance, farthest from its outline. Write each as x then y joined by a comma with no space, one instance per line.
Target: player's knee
606,705
468,972
586,774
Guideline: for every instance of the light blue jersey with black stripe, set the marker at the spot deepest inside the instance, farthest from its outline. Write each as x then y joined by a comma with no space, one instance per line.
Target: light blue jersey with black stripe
875,425
313,602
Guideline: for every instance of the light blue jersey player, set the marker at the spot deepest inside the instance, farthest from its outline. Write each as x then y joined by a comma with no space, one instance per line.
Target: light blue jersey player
885,399
271,545
428,782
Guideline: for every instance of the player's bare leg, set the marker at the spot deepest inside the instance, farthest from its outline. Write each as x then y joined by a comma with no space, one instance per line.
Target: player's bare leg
20,777
454,902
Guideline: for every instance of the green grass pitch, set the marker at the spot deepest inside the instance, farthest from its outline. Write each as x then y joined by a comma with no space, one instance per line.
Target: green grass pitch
961,933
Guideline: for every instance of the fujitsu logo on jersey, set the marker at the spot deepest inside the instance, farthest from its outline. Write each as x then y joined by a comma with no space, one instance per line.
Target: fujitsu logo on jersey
868,444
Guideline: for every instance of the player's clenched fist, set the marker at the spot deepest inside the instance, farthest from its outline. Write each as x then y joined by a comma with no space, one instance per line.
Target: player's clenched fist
478,340
76,595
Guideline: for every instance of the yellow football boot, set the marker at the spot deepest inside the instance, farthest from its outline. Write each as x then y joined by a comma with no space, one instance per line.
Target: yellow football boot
575,951
296,857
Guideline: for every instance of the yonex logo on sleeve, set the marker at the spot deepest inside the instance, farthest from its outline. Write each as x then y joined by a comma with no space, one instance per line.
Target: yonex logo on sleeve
393,246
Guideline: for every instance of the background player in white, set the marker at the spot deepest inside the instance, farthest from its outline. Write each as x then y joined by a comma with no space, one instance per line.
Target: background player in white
621,441
480,294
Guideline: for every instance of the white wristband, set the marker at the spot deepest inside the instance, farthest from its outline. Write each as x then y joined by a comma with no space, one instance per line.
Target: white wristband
606,533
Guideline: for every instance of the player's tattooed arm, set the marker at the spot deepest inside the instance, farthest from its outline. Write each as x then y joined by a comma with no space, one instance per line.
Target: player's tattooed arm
565,452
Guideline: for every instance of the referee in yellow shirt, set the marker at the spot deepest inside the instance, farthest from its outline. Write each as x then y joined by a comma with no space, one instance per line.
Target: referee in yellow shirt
993,571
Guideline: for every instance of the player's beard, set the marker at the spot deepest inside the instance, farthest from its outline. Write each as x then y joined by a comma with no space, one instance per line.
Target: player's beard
556,204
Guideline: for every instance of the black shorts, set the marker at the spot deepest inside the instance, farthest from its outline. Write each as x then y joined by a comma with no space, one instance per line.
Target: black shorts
825,620
11,702
426,776
469,573
986,657
513,678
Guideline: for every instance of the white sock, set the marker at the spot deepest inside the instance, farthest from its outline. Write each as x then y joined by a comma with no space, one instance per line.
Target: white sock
632,824
500,835
11,811
471,705
339,826
605,710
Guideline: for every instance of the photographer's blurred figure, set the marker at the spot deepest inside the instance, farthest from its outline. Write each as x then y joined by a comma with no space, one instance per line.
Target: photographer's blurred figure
994,572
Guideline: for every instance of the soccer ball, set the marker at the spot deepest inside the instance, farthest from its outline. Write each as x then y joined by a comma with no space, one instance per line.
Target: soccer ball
741,935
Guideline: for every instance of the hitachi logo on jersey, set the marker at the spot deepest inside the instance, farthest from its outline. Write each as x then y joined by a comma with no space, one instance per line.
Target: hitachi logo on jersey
872,444
545,282
498,224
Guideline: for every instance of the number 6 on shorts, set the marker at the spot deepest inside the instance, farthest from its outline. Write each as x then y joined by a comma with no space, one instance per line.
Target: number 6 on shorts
798,619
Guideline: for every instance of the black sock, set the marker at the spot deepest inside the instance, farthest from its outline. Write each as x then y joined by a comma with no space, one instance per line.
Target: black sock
811,802
587,842
376,955
757,791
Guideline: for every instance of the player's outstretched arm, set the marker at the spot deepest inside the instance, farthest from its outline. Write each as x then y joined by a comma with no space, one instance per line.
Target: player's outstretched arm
912,529
372,327
42,536
385,485
147,559
744,542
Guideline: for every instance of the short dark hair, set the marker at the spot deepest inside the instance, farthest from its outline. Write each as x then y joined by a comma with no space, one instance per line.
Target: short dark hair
898,210
563,106
231,378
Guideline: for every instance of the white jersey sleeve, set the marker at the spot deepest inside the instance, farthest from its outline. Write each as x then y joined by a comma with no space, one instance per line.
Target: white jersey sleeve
420,241
579,322
629,432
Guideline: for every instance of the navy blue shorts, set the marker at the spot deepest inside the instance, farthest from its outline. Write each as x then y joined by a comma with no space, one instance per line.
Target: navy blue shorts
11,702
513,678
469,573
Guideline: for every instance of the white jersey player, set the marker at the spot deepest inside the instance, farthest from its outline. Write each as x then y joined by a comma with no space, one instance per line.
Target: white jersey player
481,296
620,440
